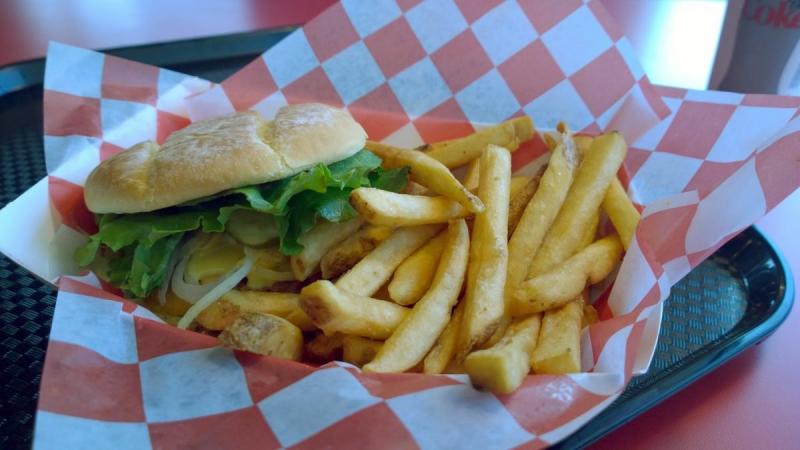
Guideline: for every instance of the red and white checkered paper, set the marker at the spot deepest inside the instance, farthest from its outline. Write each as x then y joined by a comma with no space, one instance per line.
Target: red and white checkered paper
410,72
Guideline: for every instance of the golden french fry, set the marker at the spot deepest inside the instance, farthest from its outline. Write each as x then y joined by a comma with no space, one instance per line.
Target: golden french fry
442,351
337,310
264,334
567,280
592,178
417,333
413,276
473,175
538,216
222,313
583,143
457,152
590,232
428,172
520,199
325,347
502,367
358,350
616,203
551,140
590,316
620,210
317,242
559,348
347,253
484,304
517,184
374,270
381,207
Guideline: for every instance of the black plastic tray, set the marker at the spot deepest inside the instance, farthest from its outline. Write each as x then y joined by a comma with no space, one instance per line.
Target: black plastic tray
731,301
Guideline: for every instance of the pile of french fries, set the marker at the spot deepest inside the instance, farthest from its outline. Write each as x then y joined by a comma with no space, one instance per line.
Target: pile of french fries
487,277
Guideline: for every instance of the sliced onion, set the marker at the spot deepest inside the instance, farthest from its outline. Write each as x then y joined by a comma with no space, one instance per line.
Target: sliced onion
190,292
221,288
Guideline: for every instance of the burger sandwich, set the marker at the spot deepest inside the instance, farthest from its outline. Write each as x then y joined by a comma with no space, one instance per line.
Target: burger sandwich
227,201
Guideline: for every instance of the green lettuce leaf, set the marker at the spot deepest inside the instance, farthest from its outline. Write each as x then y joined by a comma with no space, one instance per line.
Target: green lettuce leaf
142,244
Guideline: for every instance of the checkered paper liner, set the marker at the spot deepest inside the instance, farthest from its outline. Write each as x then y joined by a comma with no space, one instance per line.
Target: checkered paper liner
116,376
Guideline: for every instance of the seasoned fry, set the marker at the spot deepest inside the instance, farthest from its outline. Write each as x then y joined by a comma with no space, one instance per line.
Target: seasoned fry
414,275
567,280
518,183
616,203
590,232
473,176
590,316
337,310
325,347
417,333
381,207
457,152
502,367
427,172
442,351
485,306
358,350
537,218
366,277
592,178
520,199
264,334
347,253
620,210
317,242
558,350
222,313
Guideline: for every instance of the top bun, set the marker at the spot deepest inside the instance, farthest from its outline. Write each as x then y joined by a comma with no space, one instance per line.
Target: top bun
215,155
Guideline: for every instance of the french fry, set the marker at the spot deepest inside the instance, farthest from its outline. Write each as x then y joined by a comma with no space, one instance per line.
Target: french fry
414,276
374,270
502,367
347,253
620,210
380,207
473,175
616,203
317,242
222,313
551,140
264,334
457,152
337,310
484,304
359,351
517,183
590,316
442,351
537,218
427,172
591,232
520,197
592,178
558,350
567,280
417,333
325,347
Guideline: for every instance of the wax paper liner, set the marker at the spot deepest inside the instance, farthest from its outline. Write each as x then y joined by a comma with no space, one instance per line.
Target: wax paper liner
116,376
